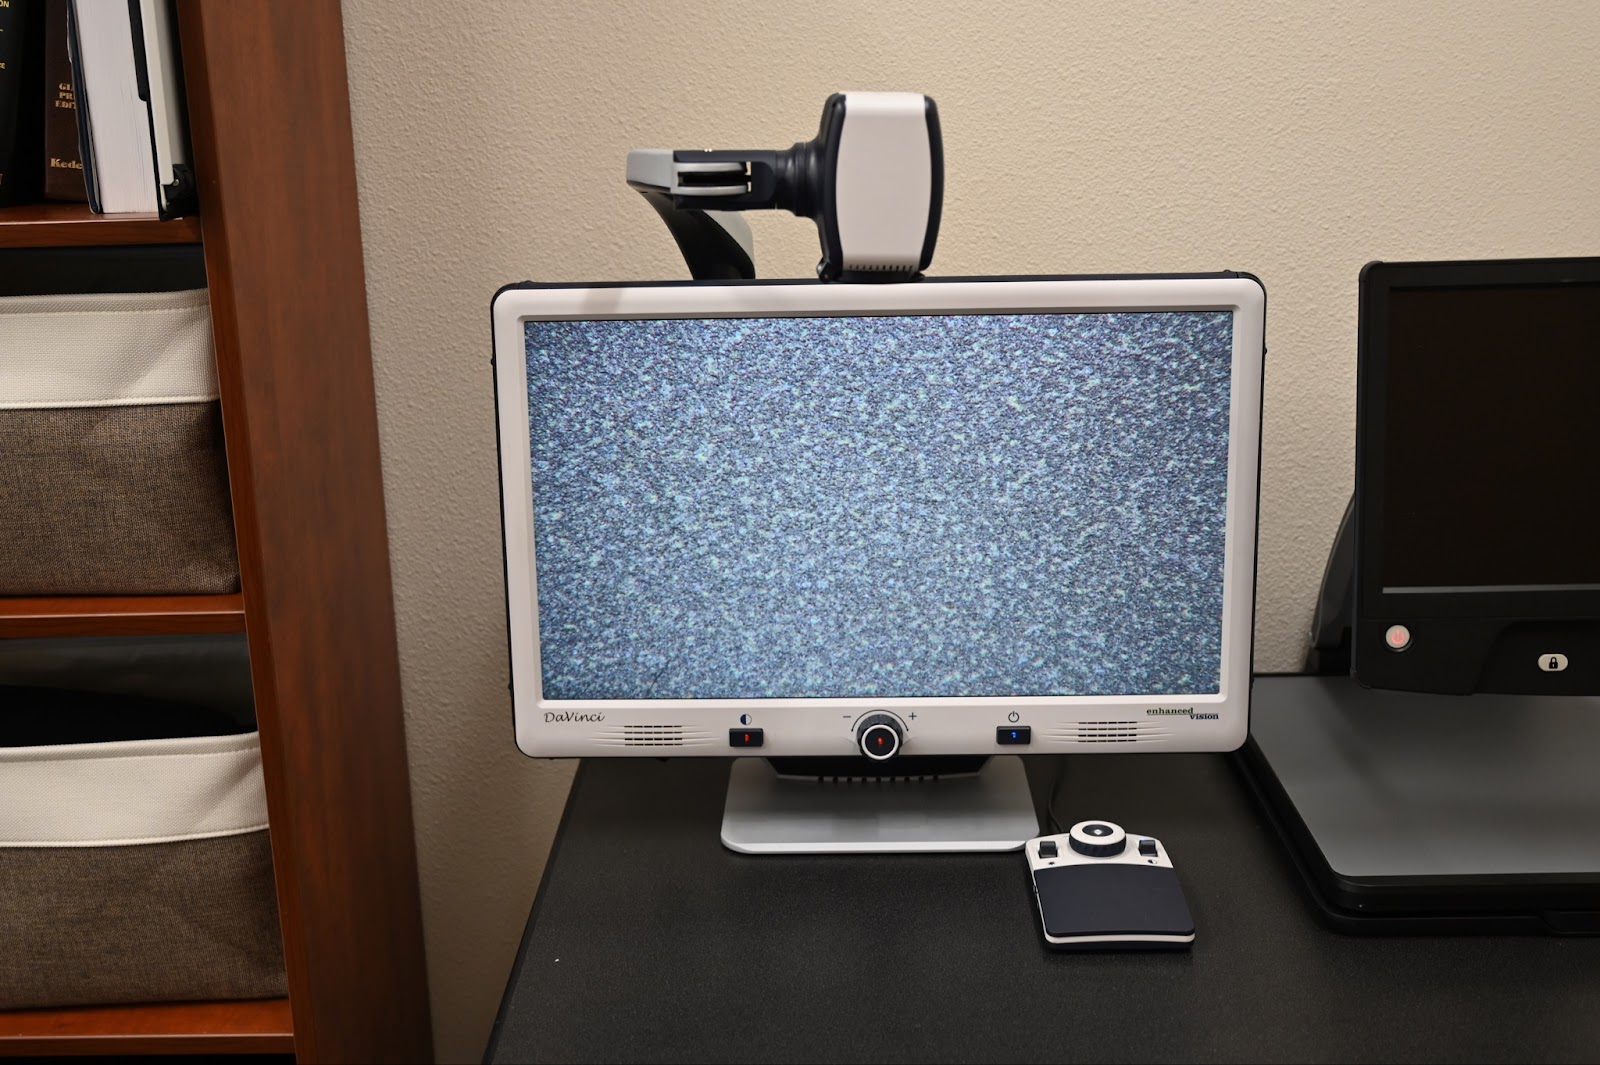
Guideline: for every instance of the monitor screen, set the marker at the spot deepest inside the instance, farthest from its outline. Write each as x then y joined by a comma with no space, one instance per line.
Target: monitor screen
897,506
1490,457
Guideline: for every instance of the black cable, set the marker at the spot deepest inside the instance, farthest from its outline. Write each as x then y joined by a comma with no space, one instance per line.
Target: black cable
1051,820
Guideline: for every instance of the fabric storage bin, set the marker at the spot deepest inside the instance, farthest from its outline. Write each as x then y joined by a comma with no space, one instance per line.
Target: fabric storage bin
113,479
210,670
136,870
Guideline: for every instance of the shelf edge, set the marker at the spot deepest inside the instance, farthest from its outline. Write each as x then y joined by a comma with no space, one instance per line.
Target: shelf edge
120,615
248,1027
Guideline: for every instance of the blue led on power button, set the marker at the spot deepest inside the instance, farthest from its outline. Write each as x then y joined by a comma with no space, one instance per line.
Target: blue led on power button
1013,735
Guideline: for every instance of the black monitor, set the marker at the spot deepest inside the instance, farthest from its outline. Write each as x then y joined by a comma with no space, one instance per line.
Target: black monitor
1478,477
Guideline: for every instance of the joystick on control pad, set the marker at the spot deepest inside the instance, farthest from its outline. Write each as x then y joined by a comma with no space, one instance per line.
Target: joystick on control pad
1097,839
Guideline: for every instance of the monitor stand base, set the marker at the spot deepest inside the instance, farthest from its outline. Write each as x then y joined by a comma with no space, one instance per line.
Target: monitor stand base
991,810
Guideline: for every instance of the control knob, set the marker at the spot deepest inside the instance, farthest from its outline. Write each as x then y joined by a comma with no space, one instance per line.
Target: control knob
1097,839
879,736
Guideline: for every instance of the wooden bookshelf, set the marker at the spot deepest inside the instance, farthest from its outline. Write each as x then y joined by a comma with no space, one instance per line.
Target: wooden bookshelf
274,161
257,1027
54,225
134,615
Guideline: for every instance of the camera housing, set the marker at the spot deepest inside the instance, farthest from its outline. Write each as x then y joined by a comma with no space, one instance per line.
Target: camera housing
872,179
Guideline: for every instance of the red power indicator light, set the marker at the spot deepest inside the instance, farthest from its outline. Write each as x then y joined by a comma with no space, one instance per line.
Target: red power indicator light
747,737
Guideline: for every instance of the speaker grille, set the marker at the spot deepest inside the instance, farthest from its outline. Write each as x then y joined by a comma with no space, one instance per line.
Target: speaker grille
651,736
1111,732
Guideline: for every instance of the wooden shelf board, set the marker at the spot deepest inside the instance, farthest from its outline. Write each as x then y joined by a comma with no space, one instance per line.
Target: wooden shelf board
44,225
134,615
255,1027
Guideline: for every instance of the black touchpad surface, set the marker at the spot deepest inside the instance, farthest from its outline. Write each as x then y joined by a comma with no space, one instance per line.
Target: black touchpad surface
1089,900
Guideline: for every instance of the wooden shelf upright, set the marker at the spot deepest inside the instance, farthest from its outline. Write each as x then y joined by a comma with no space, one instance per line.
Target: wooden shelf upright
270,130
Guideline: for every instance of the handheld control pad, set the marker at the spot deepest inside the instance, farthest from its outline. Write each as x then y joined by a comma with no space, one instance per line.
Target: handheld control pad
1096,892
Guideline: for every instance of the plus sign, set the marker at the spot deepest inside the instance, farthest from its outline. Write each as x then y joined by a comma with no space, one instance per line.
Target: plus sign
913,716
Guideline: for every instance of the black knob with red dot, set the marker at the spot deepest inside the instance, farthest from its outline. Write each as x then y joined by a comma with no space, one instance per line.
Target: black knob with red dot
879,736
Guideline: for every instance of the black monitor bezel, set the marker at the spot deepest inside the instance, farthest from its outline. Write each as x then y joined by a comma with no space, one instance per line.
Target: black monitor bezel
1375,609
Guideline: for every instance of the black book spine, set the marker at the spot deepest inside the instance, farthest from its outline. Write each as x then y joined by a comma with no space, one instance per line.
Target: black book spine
80,99
21,107
63,164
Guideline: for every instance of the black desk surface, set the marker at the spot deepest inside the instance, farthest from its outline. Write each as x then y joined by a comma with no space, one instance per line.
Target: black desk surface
649,941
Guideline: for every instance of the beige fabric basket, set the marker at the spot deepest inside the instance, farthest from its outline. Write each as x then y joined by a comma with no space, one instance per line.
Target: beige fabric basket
113,478
136,871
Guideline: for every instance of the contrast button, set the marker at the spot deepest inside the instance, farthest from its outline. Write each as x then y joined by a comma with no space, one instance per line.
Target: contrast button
1009,735
1147,847
744,737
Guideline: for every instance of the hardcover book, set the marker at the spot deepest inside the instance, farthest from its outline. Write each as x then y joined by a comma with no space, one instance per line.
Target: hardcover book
21,49
63,163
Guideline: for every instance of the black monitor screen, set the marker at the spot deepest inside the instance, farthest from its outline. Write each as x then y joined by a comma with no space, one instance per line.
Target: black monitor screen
1492,450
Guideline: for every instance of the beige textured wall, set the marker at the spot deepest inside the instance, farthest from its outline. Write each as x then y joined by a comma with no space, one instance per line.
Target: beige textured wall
1296,141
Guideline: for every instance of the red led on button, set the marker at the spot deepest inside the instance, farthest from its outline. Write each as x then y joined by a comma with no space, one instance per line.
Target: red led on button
744,737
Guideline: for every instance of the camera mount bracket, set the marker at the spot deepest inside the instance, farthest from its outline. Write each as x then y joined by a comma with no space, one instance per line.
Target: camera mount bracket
872,180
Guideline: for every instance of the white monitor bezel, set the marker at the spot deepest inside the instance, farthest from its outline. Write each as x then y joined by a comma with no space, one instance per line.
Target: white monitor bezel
825,726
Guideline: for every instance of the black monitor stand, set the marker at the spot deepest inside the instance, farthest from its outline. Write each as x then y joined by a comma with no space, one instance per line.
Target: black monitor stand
1416,813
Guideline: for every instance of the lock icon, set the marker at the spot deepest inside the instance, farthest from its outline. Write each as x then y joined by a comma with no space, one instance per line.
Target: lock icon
1552,663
